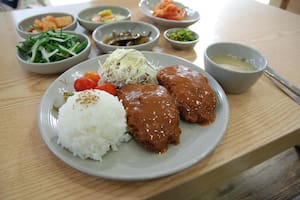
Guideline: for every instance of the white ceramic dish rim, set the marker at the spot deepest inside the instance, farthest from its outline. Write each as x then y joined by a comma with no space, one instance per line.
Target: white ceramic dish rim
237,71
214,134
60,61
39,16
123,22
102,7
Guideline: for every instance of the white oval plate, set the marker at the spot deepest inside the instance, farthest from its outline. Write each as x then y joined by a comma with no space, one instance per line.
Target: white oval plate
132,162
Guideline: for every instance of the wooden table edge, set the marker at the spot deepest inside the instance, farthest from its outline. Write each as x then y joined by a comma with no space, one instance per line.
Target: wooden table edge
188,190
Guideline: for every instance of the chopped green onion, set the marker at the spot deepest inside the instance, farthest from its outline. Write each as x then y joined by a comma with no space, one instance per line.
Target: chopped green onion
183,35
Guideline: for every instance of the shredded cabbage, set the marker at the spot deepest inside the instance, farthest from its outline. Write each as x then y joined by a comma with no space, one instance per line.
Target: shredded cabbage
127,66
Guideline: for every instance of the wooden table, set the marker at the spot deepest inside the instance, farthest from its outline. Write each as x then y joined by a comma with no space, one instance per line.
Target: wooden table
263,121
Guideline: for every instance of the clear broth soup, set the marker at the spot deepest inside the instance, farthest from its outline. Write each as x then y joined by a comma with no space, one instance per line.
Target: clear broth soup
233,62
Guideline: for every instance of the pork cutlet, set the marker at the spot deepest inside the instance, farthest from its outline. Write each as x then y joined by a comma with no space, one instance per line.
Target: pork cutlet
195,99
152,116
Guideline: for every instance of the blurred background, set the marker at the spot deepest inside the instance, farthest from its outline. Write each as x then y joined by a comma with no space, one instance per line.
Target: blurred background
289,5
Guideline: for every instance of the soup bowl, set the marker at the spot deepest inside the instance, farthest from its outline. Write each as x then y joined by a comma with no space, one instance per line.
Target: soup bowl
232,77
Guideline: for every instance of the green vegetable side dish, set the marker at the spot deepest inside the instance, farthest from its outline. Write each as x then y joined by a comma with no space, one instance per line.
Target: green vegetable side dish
51,46
182,35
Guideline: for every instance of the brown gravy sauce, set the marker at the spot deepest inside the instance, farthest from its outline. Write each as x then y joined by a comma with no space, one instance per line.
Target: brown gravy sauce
195,99
152,116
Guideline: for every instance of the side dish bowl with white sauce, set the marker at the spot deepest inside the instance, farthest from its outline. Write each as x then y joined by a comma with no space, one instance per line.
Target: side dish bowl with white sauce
235,66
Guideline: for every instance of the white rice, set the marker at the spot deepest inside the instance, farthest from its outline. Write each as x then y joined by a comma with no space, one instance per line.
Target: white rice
91,123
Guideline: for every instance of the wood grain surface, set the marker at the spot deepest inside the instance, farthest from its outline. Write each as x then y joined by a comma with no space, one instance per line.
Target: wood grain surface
263,120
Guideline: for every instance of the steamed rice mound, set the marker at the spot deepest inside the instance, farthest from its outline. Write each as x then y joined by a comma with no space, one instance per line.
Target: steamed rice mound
91,123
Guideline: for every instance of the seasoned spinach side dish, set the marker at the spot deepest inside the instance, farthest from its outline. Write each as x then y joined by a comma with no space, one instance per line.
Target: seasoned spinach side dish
51,46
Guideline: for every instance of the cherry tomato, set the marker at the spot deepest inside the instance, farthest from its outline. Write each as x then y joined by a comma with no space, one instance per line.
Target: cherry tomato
108,87
84,83
92,75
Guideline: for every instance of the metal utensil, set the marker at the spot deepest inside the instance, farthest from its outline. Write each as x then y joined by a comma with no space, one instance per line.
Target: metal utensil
282,80
291,90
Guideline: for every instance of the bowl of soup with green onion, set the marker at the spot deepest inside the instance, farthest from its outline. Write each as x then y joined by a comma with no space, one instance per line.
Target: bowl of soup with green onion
237,67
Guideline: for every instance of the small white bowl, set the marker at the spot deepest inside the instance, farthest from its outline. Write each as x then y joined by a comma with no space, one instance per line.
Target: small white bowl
84,16
181,44
143,28
58,66
146,7
234,81
24,25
